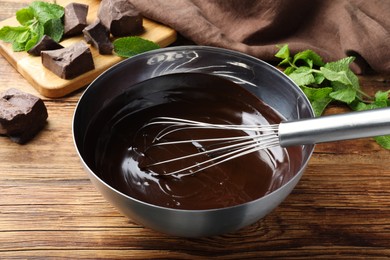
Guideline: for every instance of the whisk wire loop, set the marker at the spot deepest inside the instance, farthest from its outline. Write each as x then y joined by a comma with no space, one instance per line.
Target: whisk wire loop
227,148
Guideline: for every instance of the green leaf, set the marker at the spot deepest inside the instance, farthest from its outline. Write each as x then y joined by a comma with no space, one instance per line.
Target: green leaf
309,57
358,105
38,19
319,78
45,11
23,37
37,32
132,45
302,76
289,70
331,81
10,34
319,105
32,42
343,93
54,28
25,16
38,29
340,65
382,95
383,141
284,54
16,46
343,65
381,100
340,76
284,51
318,97
316,93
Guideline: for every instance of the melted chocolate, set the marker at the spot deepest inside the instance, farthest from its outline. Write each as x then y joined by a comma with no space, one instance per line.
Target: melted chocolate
122,146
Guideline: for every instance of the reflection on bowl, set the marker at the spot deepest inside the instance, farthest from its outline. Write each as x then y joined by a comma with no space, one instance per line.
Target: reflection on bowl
202,83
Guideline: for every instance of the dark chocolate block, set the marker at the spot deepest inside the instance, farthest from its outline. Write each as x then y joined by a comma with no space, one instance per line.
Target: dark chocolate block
69,62
120,17
99,36
75,18
45,43
22,115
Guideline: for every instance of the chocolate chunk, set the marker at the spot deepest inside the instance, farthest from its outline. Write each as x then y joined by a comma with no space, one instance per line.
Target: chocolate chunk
69,62
99,36
46,43
22,115
75,18
120,17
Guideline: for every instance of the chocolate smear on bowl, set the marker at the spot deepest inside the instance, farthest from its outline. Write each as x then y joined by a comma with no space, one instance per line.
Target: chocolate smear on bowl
22,115
118,146
69,62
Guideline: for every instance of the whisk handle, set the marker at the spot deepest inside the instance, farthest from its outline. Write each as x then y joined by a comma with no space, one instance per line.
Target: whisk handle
368,123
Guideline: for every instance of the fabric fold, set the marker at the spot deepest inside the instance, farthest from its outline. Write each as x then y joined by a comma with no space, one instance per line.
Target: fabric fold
334,29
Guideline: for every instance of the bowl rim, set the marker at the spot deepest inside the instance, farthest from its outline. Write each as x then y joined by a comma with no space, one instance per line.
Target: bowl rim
183,48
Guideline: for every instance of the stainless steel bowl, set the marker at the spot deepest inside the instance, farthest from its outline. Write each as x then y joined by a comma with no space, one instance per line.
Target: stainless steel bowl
260,78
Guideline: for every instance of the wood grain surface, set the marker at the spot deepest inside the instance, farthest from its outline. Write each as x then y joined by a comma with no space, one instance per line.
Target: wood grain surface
49,84
49,209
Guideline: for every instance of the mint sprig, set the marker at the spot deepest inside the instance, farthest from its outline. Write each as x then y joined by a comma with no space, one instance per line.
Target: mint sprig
36,20
324,83
133,45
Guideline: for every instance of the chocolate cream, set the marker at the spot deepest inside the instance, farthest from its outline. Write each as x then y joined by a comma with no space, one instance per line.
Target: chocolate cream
120,147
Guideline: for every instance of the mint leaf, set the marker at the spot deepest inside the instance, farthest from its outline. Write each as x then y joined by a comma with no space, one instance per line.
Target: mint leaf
10,34
16,46
23,37
18,36
319,78
343,93
37,31
309,57
340,76
302,76
37,19
54,28
332,81
32,41
289,70
25,16
382,98
383,141
49,17
318,97
45,11
358,105
284,54
132,45
340,65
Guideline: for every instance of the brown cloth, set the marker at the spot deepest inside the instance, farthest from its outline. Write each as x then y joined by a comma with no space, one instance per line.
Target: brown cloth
333,28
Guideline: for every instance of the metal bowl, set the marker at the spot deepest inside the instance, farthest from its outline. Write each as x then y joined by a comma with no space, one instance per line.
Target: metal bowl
260,78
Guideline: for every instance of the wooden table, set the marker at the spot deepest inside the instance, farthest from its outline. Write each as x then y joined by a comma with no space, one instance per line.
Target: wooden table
49,208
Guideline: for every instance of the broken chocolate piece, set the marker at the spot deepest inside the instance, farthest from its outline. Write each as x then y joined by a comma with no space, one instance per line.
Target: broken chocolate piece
75,18
69,62
46,43
99,36
120,17
22,115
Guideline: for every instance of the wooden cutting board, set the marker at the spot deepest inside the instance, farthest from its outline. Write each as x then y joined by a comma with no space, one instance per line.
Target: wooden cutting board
49,84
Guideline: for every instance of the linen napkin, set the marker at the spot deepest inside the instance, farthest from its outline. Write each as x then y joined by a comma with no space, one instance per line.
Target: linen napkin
333,28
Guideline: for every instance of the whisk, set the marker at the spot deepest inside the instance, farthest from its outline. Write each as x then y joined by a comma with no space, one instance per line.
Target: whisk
345,126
